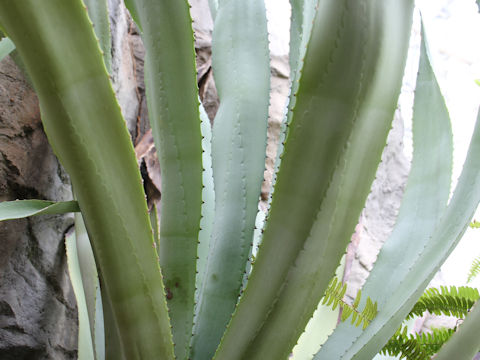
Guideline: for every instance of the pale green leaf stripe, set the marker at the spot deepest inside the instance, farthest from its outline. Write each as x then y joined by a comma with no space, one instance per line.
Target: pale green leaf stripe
465,342
155,228
85,127
241,68
173,107
98,13
6,47
303,14
324,320
424,201
18,209
85,344
349,87
91,287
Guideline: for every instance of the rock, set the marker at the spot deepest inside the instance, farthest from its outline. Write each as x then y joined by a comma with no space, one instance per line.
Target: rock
38,316
124,65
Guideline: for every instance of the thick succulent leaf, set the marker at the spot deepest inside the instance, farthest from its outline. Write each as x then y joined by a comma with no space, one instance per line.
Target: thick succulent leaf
424,201
451,226
173,106
113,345
348,92
98,13
303,13
6,47
85,343
85,127
324,320
91,287
464,343
208,197
24,208
241,69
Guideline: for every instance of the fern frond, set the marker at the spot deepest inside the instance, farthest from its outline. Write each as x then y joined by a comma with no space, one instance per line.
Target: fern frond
416,346
334,297
474,269
450,301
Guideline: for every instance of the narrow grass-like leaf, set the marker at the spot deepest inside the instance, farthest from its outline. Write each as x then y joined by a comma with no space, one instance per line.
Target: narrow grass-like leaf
348,91
85,127
91,287
85,343
6,47
465,342
24,208
155,229
241,70
424,201
173,106
98,13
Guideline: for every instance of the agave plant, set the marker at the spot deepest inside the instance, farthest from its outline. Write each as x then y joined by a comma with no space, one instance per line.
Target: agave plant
160,302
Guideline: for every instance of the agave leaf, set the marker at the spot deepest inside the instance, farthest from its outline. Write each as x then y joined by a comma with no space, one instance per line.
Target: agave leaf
424,201
173,106
85,127
451,227
464,343
309,226
6,47
208,197
303,13
113,345
322,323
98,13
24,208
238,154
85,343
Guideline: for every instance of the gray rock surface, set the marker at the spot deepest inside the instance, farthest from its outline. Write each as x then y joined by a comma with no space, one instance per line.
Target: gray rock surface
38,316
124,74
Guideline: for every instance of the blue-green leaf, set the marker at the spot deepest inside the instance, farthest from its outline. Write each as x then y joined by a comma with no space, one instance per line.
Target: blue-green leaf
423,204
